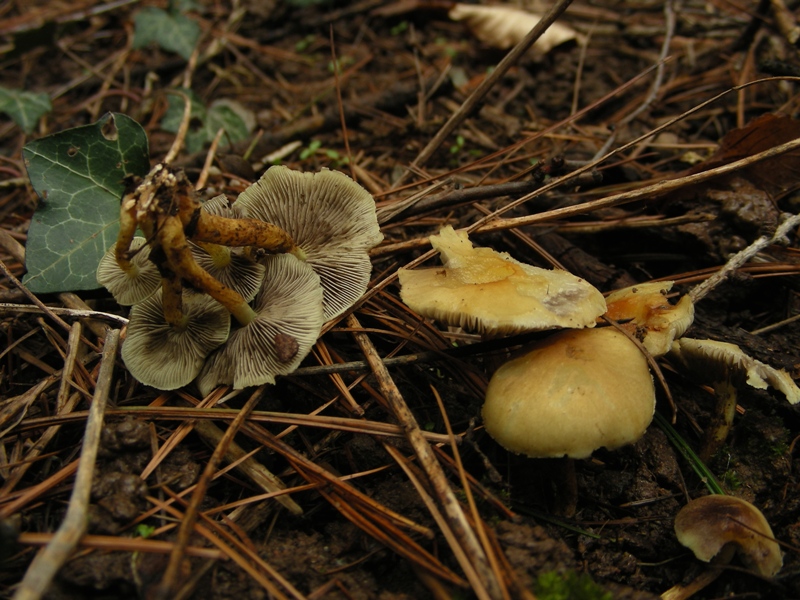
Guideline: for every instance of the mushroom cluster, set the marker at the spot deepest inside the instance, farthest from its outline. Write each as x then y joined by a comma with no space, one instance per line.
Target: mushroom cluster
289,254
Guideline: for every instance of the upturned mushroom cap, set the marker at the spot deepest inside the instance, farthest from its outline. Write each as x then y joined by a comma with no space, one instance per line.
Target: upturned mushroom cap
720,361
490,292
570,394
706,525
651,314
168,357
289,320
330,217
129,288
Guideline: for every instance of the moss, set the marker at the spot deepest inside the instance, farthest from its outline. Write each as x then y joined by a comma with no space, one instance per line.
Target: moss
568,586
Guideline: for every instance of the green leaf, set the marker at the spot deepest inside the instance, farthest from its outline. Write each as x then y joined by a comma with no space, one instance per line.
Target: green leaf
237,121
174,32
79,175
24,108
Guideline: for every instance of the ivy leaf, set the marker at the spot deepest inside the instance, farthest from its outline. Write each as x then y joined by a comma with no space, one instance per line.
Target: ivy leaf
79,176
172,31
24,108
237,121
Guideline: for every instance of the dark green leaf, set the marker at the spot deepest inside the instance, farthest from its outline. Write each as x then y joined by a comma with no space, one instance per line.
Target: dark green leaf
78,174
237,121
174,32
24,108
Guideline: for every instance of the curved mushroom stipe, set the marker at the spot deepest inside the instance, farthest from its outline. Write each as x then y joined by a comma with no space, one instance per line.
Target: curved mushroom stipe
707,525
168,357
288,321
138,282
570,394
490,292
330,217
232,267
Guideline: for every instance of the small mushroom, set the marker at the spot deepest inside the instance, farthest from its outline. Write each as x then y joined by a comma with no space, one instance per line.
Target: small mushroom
571,394
168,356
332,220
726,367
649,314
717,525
490,292
139,281
288,319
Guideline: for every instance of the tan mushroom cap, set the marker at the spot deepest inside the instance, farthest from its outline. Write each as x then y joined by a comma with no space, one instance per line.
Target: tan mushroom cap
129,288
330,217
290,318
168,357
652,315
490,292
719,361
706,525
572,393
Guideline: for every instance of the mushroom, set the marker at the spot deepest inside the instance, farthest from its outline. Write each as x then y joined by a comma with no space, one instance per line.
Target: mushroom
650,316
288,320
331,219
719,526
139,280
488,291
727,367
168,356
570,394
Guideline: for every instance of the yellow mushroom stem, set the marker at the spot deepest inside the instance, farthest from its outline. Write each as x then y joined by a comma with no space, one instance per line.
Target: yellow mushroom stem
220,255
239,232
172,301
127,229
171,239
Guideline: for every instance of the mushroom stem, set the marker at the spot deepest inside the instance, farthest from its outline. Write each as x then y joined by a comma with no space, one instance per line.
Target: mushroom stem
127,229
238,232
220,255
179,257
721,421
172,302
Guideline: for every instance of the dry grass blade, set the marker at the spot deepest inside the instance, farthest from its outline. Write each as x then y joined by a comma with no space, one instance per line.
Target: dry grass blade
47,562
485,584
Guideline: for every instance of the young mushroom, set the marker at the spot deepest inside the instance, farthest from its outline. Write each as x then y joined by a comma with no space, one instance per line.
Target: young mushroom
288,319
331,219
490,292
170,355
715,527
570,394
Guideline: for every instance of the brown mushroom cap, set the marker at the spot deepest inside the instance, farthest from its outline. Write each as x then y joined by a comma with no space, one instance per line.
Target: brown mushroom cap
708,524
168,357
490,292
330,217
651,314
720,361
129,288
289,319
570,394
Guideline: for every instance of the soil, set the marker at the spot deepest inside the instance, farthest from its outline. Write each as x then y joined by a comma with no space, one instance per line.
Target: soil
404,69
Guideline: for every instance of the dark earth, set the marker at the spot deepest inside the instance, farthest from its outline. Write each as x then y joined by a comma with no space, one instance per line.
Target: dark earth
404,68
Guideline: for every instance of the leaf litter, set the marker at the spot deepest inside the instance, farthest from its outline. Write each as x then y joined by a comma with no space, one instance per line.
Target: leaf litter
376,520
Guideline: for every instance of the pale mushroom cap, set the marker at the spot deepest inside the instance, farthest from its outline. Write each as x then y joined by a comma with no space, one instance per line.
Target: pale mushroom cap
290,318
575,392
168,357
719,361
490,292
330,217
236,271
707,524
129,288
651,314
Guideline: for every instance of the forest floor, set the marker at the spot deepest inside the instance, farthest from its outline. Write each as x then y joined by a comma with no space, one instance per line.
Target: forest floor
644,94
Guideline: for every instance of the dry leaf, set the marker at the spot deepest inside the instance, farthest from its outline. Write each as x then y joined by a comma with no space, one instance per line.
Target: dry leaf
504,26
